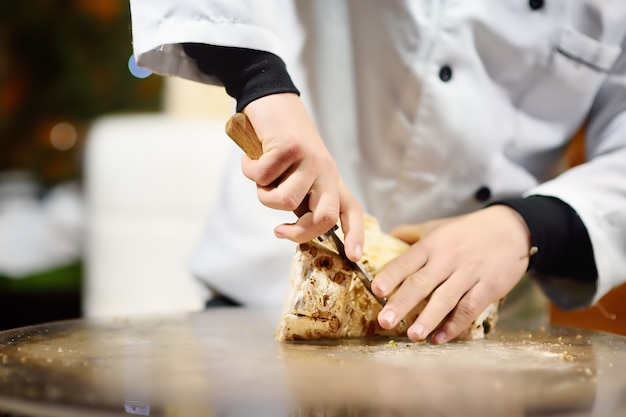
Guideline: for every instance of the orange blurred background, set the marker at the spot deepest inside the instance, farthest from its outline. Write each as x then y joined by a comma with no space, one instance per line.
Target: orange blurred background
609,314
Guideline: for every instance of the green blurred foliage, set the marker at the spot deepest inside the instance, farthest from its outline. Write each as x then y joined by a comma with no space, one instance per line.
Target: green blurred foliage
64,279
63,61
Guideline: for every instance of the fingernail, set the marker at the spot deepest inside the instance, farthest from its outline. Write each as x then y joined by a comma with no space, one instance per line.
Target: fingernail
390,317
440,337
418,331
358,252
378,289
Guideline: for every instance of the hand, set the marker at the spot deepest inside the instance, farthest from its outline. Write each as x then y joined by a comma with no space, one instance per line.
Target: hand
296,163
466,262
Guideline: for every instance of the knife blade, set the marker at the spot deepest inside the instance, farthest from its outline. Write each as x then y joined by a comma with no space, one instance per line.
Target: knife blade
366,279
241,131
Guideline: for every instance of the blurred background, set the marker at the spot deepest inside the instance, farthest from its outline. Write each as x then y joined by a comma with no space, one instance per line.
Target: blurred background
67,74
62,65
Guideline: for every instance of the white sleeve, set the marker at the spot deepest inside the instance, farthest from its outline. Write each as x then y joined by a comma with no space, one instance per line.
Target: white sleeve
160,26
596,189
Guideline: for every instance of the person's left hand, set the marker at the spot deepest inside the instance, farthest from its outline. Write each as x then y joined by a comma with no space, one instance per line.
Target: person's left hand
466,262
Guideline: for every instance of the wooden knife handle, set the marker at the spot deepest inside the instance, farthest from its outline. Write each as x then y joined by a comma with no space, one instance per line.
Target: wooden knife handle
242,133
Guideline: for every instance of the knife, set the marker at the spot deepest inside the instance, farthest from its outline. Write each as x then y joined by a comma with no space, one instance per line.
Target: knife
242,133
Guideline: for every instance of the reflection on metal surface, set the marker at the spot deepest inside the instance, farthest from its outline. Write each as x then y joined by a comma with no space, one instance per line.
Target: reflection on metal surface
225,362
137,377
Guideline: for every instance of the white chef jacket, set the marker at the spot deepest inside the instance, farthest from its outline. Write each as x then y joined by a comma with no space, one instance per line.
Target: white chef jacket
431,108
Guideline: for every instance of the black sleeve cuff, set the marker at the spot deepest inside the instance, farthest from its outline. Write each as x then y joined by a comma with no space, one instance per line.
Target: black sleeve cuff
247,74
562,240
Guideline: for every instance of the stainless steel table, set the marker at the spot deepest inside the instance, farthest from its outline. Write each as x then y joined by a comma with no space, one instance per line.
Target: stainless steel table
225,362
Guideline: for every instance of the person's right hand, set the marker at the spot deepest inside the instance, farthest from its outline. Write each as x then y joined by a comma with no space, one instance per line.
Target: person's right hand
296,163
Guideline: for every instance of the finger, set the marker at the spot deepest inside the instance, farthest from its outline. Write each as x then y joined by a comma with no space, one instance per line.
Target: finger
324,209
467,310
288,193
324,201
442,301
303,230
266,170
410,293
398,269
351,216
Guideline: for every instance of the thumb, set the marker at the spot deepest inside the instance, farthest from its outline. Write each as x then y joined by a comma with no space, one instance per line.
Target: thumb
410,233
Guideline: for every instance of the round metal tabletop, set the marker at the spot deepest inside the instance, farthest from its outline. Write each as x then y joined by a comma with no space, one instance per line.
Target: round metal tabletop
226,362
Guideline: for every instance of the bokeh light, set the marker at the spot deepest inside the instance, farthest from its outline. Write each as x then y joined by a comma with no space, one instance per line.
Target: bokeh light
136,70
63,136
